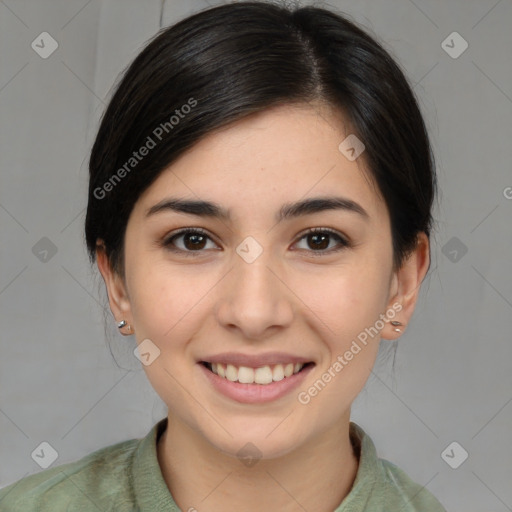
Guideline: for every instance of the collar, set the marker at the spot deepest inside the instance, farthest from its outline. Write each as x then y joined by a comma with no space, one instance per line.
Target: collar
152,492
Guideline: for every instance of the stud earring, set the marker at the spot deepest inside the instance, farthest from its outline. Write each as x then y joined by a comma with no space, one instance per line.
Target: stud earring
123,323
395,323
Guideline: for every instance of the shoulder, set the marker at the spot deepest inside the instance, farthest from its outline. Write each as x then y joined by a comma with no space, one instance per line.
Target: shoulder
399,488
98,481
381,486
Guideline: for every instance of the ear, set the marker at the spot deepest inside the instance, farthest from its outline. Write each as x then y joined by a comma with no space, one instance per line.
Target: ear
405,287
116,289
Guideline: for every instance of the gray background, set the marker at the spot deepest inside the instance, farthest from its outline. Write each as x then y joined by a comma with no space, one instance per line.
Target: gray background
452,380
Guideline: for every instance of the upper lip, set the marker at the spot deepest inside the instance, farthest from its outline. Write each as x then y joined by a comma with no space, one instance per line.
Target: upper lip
255,361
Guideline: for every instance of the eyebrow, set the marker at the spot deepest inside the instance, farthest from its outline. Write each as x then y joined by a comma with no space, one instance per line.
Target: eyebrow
286,212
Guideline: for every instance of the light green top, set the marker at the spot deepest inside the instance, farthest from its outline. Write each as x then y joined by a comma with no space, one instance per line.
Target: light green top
126,477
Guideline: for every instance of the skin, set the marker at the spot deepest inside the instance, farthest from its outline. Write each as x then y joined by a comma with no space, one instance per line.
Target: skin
289,299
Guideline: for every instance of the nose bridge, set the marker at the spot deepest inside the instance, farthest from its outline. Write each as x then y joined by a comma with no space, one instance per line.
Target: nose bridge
254,298
254,281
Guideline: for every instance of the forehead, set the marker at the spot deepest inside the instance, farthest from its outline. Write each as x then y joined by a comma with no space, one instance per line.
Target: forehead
282,154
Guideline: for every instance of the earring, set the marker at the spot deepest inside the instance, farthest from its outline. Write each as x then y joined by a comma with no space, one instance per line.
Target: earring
122,323
395,323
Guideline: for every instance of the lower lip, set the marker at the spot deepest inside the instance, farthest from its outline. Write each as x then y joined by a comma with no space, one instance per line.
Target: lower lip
255,393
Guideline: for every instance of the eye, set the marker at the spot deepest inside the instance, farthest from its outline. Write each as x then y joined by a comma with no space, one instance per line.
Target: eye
193,241
319,239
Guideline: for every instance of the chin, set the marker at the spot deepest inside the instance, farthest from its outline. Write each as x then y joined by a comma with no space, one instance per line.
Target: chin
264,440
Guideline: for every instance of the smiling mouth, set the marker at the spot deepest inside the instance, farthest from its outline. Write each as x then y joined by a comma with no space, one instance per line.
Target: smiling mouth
263,375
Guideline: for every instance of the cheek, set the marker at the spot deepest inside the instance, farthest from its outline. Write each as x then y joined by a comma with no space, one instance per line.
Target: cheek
346,313
165,308
346,301
166,302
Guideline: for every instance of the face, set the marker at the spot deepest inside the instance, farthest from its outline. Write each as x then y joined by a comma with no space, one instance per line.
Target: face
260,291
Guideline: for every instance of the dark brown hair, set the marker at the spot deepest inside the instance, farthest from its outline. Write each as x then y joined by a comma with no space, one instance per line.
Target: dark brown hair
227,62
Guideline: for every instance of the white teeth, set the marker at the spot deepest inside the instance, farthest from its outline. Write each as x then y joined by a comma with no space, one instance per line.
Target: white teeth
231,373
288,370
245,375
278,373
263,375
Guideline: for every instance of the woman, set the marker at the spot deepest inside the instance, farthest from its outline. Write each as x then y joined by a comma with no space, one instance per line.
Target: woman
259,208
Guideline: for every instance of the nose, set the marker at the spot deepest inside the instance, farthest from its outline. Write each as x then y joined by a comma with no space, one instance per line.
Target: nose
254,298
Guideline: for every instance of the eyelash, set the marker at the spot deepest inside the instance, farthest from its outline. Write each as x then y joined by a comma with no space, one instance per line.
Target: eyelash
167,242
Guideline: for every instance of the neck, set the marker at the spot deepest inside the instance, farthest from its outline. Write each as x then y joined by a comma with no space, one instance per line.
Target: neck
316,476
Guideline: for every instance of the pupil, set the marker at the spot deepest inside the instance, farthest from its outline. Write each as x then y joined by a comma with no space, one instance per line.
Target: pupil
192,237
320,236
